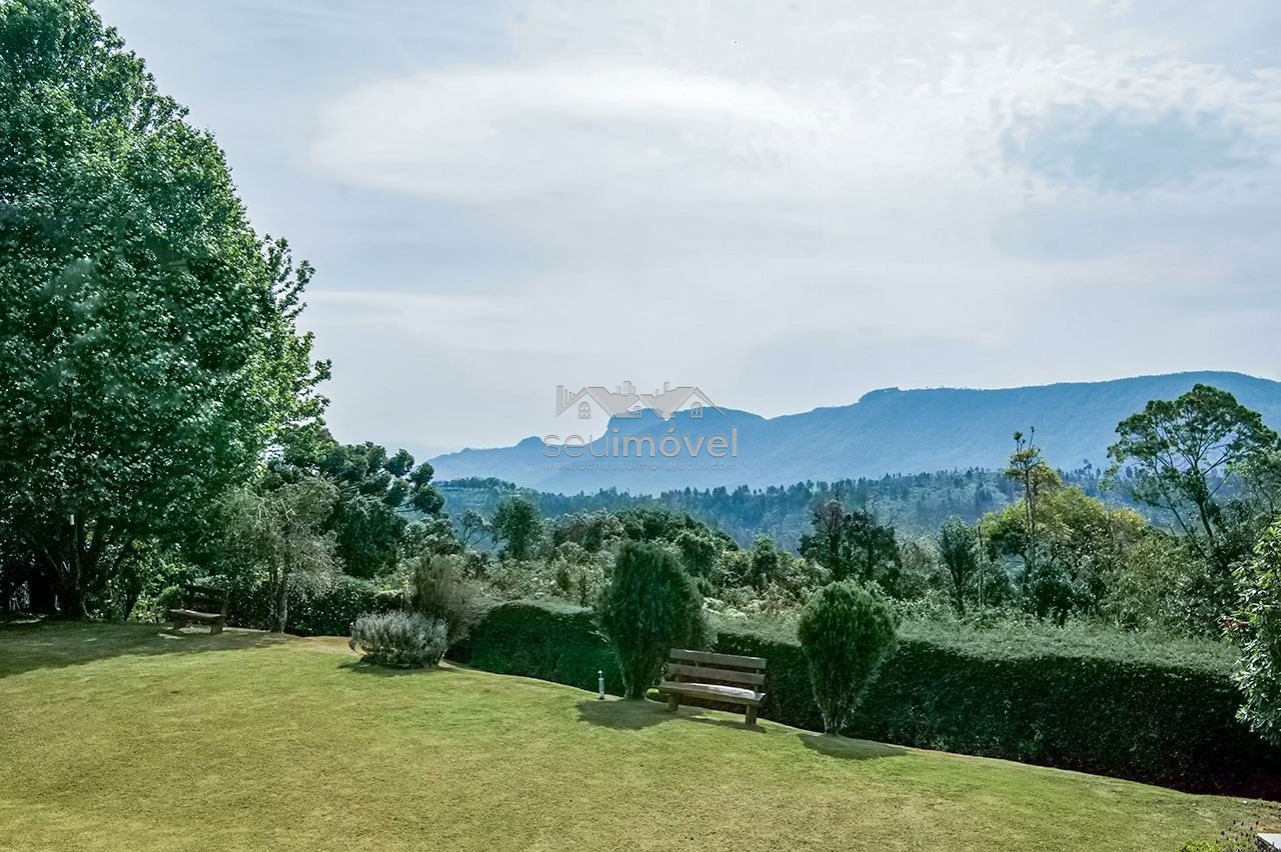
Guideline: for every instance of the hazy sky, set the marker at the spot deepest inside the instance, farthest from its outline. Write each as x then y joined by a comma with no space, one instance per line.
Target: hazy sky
785,203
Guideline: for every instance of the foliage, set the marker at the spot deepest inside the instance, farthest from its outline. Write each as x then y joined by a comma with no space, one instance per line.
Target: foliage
439,590
852,545
1259,672
171,597
1081,550
958,551
846,633
1244,838
148,335
1186,451
1117,704
518,526
403,639
279,534
543,639
649,606
331,610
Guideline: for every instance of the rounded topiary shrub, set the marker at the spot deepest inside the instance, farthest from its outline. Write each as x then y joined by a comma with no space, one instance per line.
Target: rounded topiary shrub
649,606
846,632
403,639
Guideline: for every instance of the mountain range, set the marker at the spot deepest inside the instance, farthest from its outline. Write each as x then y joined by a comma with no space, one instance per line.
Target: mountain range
888,431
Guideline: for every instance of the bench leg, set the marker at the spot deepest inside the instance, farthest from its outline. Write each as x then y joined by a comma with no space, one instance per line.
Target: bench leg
751,715
672,703
215,628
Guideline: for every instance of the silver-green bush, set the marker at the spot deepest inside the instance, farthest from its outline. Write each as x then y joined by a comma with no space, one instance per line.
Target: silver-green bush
400,639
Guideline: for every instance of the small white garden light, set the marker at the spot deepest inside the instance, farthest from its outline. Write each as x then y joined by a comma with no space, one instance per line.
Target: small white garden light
600,684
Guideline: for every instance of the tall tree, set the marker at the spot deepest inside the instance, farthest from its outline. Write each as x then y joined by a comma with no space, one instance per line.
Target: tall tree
518,526
851,544
148,348
279,535
1185,453
958,550
379,494
1034,475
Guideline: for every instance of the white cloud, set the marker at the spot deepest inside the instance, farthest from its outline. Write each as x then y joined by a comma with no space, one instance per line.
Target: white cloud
712,180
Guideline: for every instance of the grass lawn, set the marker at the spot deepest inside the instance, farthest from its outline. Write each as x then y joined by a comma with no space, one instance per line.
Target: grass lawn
120,738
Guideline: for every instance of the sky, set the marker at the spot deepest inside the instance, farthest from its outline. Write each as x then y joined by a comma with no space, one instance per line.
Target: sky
787,204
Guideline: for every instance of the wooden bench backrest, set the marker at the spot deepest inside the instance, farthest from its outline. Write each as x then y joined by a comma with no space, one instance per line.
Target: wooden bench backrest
205,599
705,667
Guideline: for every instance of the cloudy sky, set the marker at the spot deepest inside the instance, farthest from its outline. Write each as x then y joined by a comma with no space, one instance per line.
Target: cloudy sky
785,203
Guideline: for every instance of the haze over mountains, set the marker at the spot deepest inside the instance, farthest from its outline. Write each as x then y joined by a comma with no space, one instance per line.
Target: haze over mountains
886,431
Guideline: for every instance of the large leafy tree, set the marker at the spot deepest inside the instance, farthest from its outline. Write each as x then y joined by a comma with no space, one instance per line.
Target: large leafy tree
1186,454
1082,549
518,526
148,350
852,544
379,493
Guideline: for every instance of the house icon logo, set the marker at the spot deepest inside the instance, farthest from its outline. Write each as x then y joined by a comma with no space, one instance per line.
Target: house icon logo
624,401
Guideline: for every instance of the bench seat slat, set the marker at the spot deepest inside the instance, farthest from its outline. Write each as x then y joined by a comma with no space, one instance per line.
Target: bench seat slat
713,692
706,673
193,615
706,658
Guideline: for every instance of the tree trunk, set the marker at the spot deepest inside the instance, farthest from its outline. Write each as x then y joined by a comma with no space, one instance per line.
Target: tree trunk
282,604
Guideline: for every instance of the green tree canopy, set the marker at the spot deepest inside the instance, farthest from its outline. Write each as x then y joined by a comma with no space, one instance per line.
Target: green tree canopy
148,348
1185,453
852,544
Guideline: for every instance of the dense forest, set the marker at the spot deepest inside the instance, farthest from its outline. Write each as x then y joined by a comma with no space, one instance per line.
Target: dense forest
916,504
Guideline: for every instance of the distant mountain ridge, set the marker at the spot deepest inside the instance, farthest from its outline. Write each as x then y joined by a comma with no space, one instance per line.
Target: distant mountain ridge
886,431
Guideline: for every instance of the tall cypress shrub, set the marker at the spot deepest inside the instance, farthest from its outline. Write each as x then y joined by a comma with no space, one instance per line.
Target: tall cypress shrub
846,633
649,606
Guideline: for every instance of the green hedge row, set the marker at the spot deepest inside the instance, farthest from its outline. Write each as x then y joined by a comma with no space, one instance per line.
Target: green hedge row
549,641
1148,721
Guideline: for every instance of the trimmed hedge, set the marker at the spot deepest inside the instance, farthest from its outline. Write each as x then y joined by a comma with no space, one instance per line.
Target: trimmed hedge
1146,720
332,612
549,641
1149,722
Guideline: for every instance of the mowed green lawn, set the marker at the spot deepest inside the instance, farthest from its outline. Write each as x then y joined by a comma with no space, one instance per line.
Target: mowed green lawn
120,738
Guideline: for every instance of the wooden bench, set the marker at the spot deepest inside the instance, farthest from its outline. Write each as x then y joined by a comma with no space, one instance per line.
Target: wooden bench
205,598
183,617
721,678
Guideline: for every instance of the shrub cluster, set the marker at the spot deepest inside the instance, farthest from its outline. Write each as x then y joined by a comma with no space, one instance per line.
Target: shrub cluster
1146,718
439,590
401,639
328,611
